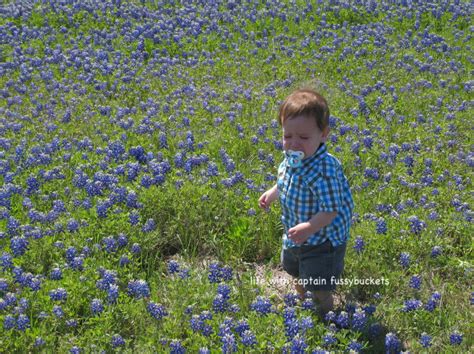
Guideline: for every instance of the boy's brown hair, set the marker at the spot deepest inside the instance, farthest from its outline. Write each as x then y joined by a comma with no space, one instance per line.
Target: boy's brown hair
305,102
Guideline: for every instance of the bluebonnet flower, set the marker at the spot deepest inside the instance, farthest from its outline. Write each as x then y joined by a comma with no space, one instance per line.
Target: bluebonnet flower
433,302
138,289
173,267
224,290
59,294
342,320
416,225
157,311
354,346
6,261
436,251
455,338
110,244
248,339
196,323
226,273
136,248
261,305
9,322
291,323
117,341
75,350
18,245
23,322
241,326
58,311
39,342
404,259
134,218
124,260
290,300
411,305
229,344
149,226
392,343
72,225
112,293
96,306
219,304
330,316
184,274
77,263
214,274
381,227
329,339
3,285
415,282
306,323
359,244
204,350
307,304
425,340
72,323
359,320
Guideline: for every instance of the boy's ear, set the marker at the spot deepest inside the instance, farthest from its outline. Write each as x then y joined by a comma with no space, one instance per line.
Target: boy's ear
325,135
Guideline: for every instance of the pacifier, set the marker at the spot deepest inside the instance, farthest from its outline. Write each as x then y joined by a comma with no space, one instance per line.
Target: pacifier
294,158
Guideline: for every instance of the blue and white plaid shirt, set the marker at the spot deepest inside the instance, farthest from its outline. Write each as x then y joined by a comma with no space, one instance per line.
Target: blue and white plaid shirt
317,185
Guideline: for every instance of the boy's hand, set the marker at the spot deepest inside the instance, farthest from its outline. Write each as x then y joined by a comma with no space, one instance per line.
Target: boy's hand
264,201
268,198
300,233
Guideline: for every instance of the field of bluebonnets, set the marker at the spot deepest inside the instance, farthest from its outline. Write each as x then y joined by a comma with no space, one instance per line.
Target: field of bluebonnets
136,138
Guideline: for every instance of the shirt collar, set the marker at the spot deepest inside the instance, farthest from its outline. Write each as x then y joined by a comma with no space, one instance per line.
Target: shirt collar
319,154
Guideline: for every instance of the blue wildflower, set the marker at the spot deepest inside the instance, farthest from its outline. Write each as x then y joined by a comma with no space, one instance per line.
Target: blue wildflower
342,320
290,300
455,338
416,225
39,342
18,245
404,259
229,344
157,311
392,343
354,346
425,340
9,322
219,304
149,226
58,311
411,305
359,320
436,251
58,294
173,267
329,339
248,339
117,341
96,306
23,322
136,248
415,282
138,289
6,261
261,305
359,244
381,227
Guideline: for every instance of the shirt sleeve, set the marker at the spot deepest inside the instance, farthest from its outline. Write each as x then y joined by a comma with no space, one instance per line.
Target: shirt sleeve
328,190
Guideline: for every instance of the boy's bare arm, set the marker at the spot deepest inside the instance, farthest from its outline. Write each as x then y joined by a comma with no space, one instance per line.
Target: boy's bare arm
301,232
268,197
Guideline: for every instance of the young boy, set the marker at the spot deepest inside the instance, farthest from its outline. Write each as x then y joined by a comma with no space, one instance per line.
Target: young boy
315,199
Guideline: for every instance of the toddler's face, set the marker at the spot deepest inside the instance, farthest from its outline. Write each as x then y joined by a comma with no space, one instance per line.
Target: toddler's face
302,134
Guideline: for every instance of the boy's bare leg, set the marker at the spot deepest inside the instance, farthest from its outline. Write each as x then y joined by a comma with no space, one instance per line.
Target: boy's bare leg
325,301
